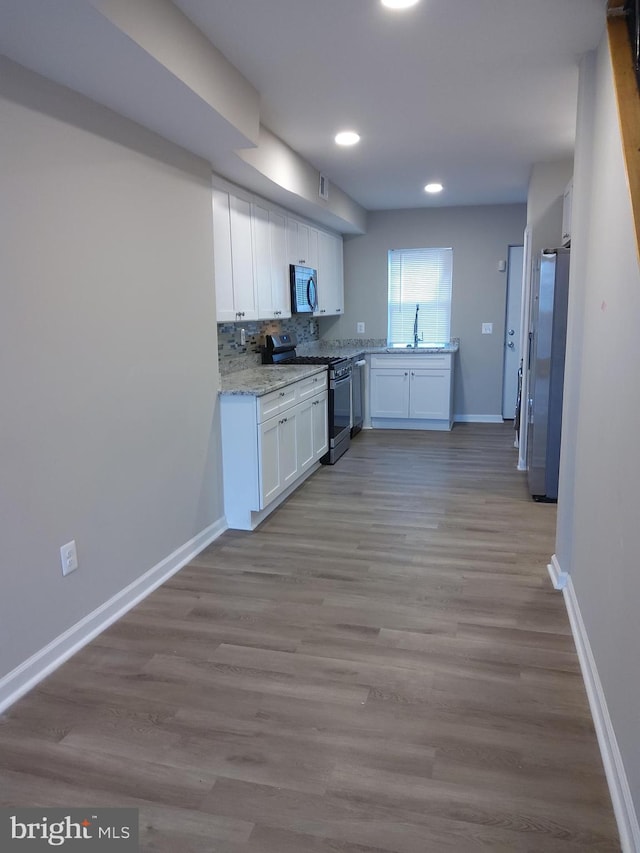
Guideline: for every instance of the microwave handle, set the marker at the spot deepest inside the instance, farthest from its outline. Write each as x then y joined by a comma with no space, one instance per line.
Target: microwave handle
312,295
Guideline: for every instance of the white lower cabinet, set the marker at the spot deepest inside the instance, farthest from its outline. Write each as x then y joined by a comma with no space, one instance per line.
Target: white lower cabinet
412,391
270,444
278,456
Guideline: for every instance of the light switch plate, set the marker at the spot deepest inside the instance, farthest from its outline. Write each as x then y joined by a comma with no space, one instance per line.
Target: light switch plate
360,328
487,328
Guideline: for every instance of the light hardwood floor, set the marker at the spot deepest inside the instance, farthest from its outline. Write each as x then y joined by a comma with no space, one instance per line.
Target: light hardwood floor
382,666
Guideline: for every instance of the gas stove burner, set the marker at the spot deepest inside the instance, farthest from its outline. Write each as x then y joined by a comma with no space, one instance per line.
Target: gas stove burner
281,349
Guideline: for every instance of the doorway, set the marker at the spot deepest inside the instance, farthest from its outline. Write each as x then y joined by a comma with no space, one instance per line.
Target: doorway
511,358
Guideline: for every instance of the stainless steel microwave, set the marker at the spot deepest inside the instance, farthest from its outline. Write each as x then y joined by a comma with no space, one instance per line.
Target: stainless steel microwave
304,289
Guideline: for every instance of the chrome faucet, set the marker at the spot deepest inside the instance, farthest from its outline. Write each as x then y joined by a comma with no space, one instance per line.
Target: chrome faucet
415,327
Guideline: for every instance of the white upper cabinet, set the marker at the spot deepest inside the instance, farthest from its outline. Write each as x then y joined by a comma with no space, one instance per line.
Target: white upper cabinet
271,269
253,244
330,275
302,243
279,265
236,293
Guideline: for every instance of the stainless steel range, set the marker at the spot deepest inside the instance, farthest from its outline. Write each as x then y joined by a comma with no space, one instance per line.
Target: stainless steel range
281,349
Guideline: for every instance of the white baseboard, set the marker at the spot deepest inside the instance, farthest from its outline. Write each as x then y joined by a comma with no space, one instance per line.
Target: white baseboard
478,419
558,577
623,806
25,676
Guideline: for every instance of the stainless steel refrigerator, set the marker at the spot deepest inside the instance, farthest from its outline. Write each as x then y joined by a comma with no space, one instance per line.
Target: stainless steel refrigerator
547,343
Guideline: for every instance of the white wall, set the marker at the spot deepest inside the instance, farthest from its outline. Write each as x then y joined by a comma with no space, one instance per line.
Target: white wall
480,237
544,201
598,536
108,359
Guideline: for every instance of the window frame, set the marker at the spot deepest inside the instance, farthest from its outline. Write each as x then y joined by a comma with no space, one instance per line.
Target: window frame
406,272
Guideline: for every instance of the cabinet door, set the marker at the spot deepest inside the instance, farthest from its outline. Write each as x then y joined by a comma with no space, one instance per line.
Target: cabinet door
297,247
312,251
304,433
288,448
330,275
268,455
223,271
320,425
281,295
389,393
262,260
429,397
302,243
244,289
339,273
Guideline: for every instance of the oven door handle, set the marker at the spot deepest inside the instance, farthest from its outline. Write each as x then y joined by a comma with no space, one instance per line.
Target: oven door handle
335,383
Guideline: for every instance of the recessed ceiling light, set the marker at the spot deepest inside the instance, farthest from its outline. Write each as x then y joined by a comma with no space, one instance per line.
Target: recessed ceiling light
347,137
433,188
399,4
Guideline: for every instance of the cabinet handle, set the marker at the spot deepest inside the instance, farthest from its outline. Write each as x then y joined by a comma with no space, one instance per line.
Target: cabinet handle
282,393
406,373
413,373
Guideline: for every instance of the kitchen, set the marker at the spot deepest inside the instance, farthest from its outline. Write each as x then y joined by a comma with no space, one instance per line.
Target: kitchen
112,388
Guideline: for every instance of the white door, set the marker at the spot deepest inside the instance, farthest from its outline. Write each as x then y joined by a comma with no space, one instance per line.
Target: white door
512,332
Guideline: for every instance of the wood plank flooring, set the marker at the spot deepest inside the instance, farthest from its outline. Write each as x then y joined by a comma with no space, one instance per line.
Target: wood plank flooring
383,667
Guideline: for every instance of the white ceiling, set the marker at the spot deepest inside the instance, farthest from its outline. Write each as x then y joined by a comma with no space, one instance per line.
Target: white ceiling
467,92
471,92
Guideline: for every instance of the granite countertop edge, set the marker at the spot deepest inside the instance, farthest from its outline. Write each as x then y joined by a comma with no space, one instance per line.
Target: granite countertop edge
261,380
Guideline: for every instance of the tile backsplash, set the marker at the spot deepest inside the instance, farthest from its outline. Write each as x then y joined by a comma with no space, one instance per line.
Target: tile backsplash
232,355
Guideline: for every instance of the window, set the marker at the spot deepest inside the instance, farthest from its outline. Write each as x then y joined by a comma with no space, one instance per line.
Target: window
420,277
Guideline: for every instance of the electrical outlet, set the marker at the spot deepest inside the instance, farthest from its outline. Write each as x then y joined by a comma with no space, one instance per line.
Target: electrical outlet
69,557
360,328
487,328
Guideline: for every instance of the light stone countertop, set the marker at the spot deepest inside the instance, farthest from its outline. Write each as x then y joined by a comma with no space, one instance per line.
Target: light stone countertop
260,380
351,349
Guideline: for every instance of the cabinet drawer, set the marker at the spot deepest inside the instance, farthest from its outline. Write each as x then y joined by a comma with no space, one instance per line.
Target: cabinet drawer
276,401
311,386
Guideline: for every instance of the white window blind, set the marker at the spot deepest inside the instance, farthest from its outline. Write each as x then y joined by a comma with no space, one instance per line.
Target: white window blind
420,277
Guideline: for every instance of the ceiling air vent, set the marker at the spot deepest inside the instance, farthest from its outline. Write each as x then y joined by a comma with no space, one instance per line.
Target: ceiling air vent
323,188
